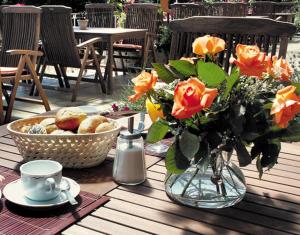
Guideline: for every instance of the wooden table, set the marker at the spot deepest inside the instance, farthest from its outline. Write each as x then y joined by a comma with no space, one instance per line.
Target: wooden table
271,206
112,35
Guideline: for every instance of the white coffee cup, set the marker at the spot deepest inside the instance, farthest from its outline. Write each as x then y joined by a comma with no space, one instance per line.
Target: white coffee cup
41,179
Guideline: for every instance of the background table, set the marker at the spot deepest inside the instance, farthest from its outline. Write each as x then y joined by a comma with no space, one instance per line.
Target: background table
112,35
271,206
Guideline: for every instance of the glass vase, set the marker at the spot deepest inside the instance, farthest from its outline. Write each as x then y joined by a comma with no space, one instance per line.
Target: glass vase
207,189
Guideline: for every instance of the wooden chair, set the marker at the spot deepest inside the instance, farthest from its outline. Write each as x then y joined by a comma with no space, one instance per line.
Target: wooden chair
262,8
140,16
61,48
285,11
227,9
21,30
100,15
184,10
269,35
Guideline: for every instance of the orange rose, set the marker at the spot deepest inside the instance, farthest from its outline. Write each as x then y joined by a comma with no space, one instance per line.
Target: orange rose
143,83
286,106
280,69
190,97
250,60
208,45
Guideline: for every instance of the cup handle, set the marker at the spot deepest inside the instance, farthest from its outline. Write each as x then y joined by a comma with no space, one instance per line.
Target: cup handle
51,183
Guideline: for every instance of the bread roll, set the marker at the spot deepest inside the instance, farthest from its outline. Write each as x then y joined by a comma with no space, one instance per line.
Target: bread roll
25,129
61,132
90,124
105,126
37,129
69,118
49,124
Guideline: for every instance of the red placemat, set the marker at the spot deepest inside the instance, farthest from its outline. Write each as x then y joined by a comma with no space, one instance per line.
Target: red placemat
19,220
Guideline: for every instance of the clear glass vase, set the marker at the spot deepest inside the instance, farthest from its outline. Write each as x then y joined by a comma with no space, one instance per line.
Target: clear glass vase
207,189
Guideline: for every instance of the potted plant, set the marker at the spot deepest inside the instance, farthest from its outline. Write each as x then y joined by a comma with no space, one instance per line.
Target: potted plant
82,21
214,115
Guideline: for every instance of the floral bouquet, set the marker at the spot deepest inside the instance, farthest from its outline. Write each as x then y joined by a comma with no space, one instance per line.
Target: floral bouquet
250,110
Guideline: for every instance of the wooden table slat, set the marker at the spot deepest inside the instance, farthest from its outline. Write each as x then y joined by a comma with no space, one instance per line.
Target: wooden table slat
276,221
165,218
206,216
137,222
79,230
109,227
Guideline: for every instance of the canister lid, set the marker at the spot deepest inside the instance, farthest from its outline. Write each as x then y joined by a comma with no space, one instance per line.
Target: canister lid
130,136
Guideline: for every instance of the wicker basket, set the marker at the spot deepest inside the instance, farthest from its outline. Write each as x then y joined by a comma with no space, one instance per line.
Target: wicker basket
72,151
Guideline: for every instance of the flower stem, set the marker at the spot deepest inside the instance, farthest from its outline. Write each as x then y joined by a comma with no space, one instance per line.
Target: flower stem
189,182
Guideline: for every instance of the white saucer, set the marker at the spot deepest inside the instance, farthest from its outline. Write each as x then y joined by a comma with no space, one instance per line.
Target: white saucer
14,193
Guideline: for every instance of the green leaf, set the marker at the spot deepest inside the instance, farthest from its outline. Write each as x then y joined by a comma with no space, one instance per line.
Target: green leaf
210,73
268,106
164,72
186,68
290,134
157,131
297,85
242,153
189,144
176,162
231,80
270,154
170,161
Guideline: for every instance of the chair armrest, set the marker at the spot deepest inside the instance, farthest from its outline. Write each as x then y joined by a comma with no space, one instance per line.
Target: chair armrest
152,35
24,52
88,42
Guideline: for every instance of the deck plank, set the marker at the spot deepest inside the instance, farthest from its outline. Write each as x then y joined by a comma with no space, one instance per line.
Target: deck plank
107,226
207,216
137,222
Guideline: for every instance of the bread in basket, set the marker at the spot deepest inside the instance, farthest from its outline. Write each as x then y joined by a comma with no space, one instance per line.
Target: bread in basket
72,151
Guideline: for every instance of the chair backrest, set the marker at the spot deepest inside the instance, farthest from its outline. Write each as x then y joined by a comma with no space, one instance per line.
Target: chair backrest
285,7
227,9
142,16
269,35
185,10
1,18
21,30
58,37
100,15
262,8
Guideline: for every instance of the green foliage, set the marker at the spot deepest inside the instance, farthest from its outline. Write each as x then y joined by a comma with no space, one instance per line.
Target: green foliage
189,144
184,67
124,102
211,74
157,131
164,72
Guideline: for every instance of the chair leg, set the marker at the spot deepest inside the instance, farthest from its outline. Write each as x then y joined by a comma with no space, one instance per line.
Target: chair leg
38,83
115,66
1,104
42,73
12,100
64,74
98,69
75,90
122,63
13,93
59,75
